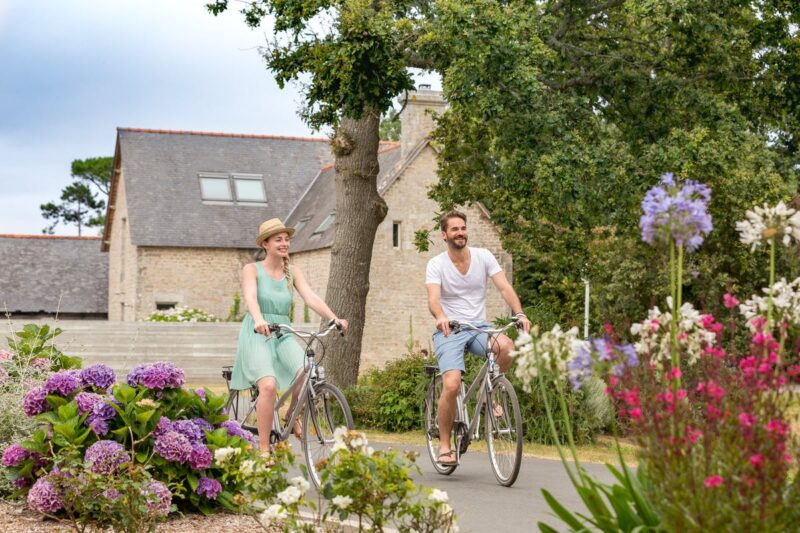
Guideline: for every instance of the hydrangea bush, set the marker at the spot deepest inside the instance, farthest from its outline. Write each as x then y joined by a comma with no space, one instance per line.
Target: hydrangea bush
181,314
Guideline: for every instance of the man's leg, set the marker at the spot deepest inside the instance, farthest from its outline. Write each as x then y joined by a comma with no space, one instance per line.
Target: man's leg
502,347
451,381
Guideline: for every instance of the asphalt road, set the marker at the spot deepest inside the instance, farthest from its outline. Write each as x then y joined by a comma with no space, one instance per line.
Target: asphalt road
484,506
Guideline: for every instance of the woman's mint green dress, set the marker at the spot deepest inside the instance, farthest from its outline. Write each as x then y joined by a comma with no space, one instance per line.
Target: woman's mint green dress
257,356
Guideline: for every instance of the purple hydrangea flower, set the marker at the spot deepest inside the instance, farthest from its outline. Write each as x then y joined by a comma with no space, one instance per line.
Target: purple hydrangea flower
15,454
98,425
111,494
86,401
98,376
21,482
159,498
235,430
203,424
209,488
44,497
35,401
200,457
164,425
189,429
201,392
676,209
64,383
156,376
173,446
105,456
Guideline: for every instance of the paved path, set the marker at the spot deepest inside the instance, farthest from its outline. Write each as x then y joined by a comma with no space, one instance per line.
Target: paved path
484,506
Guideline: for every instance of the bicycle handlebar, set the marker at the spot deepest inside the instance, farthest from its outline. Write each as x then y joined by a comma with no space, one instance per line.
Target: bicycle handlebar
456,326
280,329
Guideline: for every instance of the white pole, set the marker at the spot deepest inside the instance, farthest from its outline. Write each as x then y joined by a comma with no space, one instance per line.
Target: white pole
586,308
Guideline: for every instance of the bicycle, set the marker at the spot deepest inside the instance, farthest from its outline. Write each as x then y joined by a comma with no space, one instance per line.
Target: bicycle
496,397
326,406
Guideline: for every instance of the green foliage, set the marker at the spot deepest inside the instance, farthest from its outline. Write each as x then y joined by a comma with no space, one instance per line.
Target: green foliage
181,314
391,398
390,126
562,114
35,342
375,487
306,314
80,203
235,312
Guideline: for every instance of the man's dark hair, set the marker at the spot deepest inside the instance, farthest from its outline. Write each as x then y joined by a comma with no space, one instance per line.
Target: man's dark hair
451,214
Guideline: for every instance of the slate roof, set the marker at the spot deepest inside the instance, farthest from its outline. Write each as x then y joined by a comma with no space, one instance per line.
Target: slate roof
320,200
40,269
161,171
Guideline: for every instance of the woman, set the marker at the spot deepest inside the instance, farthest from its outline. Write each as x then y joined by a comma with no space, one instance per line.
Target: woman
272,363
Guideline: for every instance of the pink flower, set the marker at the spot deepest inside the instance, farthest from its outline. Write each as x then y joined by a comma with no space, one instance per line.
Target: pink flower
5,355
756,459
608,328
41,362
758,322
636,413
675,373
777,427
693,434
746,419
706,321
729,301
713,481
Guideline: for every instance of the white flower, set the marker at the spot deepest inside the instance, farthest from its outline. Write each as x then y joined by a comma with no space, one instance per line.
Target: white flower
301,483
369,451
273,513
655,338
290,495
339,434
550,350
222,454
785,303
338,446
342,502
765,223
247,467
438,496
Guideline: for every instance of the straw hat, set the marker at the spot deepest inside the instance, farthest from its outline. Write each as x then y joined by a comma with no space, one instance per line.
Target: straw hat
271,227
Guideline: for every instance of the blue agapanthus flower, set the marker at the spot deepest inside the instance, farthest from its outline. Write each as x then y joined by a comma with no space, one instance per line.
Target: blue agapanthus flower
676,209
599,356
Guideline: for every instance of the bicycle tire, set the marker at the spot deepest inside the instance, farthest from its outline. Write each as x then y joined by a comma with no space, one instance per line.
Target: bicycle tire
241,408
431,425
504,432
323,414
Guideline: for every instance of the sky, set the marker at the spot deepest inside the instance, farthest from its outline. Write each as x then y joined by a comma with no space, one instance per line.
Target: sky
72,71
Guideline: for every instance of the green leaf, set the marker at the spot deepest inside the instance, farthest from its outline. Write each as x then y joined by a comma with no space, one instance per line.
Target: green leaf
56,401
544,528
561,512
193,481
145,416
141,456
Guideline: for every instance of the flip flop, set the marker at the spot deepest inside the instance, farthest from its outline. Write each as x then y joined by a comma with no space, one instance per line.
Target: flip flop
451,453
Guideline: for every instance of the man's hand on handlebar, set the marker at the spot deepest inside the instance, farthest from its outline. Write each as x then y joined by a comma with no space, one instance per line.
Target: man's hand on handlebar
523,323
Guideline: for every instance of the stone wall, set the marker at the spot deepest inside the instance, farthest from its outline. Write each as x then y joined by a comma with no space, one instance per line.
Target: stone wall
315,265
202,278
122,267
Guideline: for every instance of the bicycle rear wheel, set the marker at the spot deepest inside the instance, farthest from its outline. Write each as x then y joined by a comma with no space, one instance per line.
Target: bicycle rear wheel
324,413
241,407
431,424
504,431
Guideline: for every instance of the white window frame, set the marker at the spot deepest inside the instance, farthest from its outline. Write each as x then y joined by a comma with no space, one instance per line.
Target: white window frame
327,222
249,177
301,223
215,176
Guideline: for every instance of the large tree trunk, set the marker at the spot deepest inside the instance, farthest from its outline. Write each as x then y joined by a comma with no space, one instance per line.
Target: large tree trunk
359,211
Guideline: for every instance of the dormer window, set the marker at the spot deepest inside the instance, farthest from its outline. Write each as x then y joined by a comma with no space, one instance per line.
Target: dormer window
325,224
233,188
301,223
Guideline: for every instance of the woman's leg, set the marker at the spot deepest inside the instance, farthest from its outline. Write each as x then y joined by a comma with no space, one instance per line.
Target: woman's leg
296,388
265,408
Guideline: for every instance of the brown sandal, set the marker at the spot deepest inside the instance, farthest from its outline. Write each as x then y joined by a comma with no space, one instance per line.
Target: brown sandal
450,454
297,430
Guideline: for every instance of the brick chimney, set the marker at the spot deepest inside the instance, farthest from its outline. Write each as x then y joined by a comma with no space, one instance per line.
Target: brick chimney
417,118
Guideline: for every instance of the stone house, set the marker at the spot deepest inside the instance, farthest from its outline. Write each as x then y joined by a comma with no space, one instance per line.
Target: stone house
47,275
185,206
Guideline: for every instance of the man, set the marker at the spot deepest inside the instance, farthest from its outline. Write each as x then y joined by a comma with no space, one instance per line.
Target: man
456,283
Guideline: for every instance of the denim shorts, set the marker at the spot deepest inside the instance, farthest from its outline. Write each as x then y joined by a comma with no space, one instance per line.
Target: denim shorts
450,349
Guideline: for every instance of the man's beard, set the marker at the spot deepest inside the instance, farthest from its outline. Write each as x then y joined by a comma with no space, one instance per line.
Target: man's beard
457,245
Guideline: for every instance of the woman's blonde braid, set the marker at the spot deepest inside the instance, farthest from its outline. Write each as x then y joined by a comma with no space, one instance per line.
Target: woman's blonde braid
286,273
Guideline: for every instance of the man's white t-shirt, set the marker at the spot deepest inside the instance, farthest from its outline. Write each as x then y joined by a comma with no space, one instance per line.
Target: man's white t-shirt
463,295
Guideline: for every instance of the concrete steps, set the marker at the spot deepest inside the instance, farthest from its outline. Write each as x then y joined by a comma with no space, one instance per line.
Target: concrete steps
200,349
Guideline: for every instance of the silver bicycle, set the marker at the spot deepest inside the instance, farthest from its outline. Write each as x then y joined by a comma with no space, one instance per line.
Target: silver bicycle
323,406
489,407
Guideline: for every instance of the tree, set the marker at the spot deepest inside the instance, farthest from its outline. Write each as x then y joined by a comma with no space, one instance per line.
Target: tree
353,58
80,204
390,126
562,113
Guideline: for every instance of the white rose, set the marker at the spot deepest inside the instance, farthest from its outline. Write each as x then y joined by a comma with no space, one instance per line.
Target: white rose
290,495
342,502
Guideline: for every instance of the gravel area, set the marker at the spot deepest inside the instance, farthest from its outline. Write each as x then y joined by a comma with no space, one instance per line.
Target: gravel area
18,519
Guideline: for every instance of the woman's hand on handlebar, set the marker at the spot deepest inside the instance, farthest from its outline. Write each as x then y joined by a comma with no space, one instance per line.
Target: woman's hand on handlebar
262,327
341,323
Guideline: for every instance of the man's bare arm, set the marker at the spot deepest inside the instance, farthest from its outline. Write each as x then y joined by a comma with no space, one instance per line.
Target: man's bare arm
435,307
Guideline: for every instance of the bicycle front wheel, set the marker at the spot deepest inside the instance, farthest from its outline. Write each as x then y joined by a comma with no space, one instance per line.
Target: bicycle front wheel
324,413
241,407
432,426
504,431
